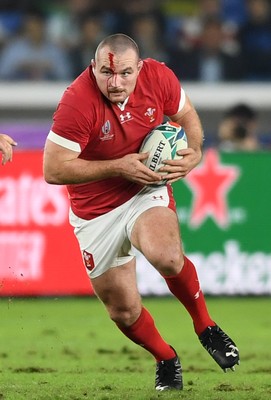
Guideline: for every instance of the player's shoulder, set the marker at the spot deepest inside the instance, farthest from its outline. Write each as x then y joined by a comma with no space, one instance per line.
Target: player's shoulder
157,69
150,64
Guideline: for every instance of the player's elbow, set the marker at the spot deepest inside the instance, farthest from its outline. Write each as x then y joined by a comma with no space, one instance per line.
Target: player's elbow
51,177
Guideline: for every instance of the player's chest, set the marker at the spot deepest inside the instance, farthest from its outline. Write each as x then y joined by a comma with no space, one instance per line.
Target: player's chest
121,130
130,120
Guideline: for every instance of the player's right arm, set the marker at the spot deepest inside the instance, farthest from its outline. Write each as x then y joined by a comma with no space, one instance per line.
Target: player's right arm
63,166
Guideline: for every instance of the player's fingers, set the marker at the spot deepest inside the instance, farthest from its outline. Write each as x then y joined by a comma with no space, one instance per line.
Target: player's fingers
173,177
7,156
9,139
184,152
142,156
5,149
177,163
150,176
146,180
173,169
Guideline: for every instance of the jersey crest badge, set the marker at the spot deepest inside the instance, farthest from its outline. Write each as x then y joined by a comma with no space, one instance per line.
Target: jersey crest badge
150,113
105,134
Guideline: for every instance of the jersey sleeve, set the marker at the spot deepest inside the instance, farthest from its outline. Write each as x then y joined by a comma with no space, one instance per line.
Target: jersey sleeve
172,93
71,125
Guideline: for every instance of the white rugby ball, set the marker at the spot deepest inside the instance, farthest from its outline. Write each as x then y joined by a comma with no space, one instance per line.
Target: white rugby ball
162,143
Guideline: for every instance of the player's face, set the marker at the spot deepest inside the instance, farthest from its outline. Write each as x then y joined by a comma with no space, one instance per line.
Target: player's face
116,74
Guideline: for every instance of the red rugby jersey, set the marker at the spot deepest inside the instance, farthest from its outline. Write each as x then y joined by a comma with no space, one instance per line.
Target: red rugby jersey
104,131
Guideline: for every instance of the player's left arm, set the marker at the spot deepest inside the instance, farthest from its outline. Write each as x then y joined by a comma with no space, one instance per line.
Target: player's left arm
188,118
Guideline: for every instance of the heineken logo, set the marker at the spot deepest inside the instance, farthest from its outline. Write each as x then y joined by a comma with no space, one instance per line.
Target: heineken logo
210,184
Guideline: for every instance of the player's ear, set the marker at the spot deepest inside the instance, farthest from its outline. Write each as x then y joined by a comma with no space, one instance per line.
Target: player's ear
93,65
139,65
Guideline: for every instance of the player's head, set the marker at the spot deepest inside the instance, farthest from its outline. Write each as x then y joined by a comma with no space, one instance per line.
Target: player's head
238,123
116,66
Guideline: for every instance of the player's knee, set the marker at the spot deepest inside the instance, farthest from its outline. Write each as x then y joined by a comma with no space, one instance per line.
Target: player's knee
168,263
124,316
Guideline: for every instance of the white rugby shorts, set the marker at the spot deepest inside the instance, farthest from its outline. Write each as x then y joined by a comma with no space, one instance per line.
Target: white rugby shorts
105,241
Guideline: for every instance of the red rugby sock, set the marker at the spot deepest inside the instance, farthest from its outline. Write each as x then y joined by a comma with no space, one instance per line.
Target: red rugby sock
144,333
185,286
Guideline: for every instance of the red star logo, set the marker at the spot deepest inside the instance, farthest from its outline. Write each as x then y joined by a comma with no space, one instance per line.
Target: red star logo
210,184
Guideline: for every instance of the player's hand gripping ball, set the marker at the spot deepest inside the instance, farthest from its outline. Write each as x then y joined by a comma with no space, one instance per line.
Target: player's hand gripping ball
162,143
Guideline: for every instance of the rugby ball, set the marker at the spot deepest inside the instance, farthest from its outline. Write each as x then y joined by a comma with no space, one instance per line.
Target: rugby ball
162,143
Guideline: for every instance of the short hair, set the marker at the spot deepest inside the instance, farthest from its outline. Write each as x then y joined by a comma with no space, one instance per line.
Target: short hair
242,111
118,43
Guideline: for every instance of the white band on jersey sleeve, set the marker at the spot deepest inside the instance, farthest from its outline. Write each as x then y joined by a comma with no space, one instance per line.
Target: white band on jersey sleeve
68,144
182,100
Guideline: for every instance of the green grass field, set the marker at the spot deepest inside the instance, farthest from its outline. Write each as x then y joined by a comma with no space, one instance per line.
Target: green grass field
67,348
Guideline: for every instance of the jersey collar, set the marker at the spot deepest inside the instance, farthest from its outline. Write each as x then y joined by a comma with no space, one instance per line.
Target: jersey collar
122,105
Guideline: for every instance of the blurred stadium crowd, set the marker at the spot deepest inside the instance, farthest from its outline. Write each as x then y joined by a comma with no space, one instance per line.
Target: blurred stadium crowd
201,40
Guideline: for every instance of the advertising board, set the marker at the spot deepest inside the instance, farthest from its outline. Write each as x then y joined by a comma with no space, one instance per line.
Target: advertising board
225,222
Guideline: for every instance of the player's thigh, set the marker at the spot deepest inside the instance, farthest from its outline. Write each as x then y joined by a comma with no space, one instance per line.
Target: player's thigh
156,234
117,289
